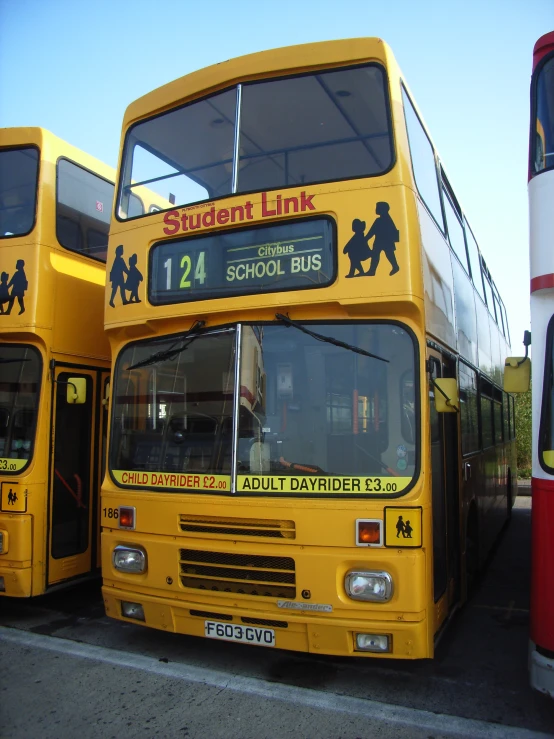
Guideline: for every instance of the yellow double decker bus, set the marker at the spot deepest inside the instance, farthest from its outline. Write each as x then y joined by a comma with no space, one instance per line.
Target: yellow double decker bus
309,444
55,205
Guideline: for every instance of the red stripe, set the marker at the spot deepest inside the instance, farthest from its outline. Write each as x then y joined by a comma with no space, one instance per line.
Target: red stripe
542,282
542,563
543,47
245,393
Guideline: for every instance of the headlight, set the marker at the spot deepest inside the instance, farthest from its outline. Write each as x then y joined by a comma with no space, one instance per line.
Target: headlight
373,643
368,585
132,610
129,559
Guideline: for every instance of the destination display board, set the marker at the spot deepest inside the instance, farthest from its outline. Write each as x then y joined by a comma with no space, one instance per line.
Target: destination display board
287,256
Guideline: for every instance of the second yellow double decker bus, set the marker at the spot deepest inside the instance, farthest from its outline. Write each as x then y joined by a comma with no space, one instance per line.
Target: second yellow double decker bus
55,205
310,447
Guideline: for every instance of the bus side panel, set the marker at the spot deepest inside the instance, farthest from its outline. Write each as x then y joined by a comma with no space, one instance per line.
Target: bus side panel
15,563
542,570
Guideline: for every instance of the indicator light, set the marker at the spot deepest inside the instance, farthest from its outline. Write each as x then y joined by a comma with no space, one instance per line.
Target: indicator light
368,532
127,517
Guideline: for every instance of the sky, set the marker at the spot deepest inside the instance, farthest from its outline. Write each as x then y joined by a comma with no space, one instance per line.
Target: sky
73,66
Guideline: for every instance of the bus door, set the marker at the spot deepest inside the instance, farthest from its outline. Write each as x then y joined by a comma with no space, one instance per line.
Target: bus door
74,477
445,494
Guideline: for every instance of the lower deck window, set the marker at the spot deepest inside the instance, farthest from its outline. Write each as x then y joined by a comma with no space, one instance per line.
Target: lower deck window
337,400
20,370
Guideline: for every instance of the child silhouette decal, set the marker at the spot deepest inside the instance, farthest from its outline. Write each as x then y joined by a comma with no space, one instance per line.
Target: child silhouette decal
134,278
19,285
4,291
117,276
357,249
386,236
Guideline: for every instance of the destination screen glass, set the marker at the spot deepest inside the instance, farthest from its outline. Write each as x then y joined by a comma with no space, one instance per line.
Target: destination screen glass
293,255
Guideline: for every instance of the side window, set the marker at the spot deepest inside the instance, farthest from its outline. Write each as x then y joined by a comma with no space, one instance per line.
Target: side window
474,262
488,291
469,416
546,429
506,416
454,224
497,310
487,425
497,410
423,162
83,207
505,318
18,190
542,135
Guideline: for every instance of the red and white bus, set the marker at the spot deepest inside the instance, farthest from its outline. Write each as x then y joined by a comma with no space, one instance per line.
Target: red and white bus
541,218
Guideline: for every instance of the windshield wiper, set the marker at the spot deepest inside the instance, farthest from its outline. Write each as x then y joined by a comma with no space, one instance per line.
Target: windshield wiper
17,359
320,337
173,350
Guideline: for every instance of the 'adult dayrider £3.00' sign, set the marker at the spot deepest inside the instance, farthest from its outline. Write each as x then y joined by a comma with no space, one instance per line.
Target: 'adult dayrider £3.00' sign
285,256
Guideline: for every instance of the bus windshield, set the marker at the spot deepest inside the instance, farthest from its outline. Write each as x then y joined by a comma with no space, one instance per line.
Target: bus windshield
543,155
287,132
337,401
18,190
19,392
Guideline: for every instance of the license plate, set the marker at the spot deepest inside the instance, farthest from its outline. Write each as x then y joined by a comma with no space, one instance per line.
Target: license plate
234,632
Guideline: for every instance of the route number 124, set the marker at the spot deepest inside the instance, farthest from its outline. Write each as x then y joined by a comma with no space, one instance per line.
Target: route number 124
198,270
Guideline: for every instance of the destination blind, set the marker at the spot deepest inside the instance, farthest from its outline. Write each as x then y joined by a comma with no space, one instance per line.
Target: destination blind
293,255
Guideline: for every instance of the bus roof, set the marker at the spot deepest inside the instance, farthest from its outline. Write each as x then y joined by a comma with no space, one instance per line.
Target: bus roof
44,139
543,46
295,59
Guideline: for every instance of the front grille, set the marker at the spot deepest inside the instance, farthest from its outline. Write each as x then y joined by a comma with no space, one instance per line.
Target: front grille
245,574
265,622
259,527
211,616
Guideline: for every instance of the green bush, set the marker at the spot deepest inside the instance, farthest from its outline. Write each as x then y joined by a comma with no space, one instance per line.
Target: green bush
523,433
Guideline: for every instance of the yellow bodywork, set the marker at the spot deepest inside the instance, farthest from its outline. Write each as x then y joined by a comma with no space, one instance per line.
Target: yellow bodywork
318,535
63,321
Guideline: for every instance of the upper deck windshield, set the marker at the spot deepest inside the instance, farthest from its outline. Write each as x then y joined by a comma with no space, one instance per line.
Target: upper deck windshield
18,190
286,132
338,402
542,147
20,368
